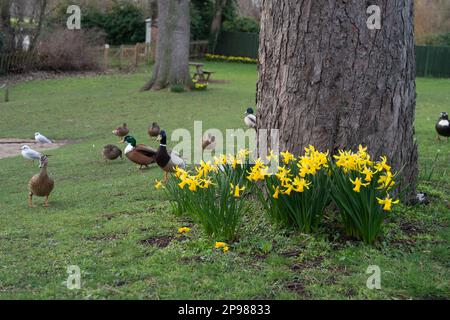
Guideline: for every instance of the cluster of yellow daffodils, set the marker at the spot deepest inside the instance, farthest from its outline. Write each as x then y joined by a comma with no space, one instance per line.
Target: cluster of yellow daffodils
361,164
258,172
312,162
198,181
222,246
289,182
215,57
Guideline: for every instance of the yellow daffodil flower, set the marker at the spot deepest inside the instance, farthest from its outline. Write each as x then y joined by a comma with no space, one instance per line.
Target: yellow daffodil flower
387,203
236,190
158,185
276,195
358,184
368,173
300,184
287,157
220,245
271,156
184,230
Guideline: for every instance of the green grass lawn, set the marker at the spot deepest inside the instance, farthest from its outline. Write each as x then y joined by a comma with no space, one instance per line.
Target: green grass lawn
101,214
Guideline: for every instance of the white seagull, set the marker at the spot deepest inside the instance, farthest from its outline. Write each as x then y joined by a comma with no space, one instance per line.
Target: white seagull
41,139
30,154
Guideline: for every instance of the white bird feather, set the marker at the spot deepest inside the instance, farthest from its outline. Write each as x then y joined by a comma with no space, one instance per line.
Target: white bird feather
250,121
30,154
41,138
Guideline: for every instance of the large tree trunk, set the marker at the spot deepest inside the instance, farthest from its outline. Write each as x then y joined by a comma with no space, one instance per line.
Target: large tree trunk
327,80
216,23
172,53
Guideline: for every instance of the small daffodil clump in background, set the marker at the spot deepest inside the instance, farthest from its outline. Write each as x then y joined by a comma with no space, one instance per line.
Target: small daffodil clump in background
222,246
184,230
215,57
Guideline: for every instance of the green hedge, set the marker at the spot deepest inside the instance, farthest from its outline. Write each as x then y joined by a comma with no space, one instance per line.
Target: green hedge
432,61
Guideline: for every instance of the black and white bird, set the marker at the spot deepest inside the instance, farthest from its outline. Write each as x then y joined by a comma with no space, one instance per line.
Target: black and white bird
250,118
41,139
443,126
30,154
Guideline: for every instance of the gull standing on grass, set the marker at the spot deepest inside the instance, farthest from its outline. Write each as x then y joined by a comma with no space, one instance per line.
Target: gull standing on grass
30,154
41,139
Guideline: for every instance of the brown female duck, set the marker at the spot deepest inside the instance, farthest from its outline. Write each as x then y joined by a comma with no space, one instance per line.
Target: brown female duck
41,185
121,131
111,152
153,130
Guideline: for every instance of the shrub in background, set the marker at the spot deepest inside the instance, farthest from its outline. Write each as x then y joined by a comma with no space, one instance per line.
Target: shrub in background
68,50
123,23
242,24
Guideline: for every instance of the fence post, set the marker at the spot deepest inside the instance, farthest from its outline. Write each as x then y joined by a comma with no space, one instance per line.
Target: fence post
121,57
106,56
6,99
136,48
427,58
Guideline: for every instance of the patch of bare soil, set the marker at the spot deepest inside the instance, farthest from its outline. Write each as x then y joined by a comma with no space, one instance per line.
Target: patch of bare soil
10,147
161,241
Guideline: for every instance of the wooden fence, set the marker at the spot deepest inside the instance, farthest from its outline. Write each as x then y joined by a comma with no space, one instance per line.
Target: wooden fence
17,62
109,57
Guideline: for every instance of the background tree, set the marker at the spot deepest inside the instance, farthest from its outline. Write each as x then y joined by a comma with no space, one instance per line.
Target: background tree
327,80
216,24
172,52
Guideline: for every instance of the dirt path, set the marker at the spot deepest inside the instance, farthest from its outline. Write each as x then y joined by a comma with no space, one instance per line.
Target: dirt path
10,147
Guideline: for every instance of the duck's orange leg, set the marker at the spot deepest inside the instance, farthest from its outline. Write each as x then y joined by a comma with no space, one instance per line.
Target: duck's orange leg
46,202
30,200
166,177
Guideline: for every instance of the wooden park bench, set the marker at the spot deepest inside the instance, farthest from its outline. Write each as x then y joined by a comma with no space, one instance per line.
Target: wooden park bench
200,74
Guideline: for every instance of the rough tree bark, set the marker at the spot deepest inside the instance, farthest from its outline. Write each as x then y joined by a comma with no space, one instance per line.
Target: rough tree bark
216,23
172,52
327,80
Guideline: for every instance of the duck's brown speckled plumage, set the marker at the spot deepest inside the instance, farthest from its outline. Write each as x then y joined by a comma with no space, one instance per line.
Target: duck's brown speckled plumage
41,185
121,131
111,152
153,130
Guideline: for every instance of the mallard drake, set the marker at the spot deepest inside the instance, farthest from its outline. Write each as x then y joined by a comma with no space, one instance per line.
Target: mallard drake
121,131
168,161
139,154
208,142
30,154
41,185
443,126
111,152
41,138
153,130
250,118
